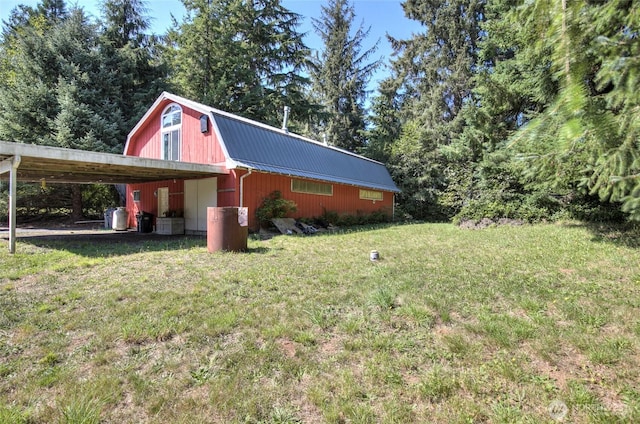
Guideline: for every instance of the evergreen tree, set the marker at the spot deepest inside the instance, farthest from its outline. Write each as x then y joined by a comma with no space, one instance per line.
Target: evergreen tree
586,139
509,89
433,74
136,73
57,87
385,122
244,57
53,11
28,69
340,75
616,173
436,67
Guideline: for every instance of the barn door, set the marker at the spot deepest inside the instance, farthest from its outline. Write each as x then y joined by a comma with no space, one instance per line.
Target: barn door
198,196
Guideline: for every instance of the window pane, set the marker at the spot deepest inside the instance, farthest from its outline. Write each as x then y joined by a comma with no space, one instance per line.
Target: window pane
371,195
165,146
310,187
175,145
171,116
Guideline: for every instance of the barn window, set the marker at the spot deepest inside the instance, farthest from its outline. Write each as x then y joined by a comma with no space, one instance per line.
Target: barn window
171,123
136,195
370,195
311,187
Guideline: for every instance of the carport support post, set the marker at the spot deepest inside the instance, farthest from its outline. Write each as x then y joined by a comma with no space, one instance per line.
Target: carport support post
11,165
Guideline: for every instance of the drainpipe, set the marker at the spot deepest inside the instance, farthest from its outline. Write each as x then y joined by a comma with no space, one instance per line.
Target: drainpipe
242,187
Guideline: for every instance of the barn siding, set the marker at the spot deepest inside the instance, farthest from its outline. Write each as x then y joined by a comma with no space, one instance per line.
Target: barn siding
345,199
257,186
146,142
149,202
196,147
228,190
205,148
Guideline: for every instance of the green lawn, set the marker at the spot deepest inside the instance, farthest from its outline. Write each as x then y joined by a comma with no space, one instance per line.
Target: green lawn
508,324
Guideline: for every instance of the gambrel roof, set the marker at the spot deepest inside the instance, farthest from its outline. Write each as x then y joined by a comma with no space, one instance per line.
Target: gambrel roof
252,145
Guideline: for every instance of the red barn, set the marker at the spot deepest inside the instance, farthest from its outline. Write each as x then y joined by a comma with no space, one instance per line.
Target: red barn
257,160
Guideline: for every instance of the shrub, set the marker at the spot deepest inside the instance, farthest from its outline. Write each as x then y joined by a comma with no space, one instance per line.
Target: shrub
274,206
534,207
350,220
329,217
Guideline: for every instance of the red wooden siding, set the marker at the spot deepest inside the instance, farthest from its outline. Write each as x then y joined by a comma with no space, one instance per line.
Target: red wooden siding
345,199
196,146
146,141
148,200
229,189
257,186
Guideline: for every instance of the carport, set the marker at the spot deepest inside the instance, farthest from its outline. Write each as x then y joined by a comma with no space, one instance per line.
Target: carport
32,163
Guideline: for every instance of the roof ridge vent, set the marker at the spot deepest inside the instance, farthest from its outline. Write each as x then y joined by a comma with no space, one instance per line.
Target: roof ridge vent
287,109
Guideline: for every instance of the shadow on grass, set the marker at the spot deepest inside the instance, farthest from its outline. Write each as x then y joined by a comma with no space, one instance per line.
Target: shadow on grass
119,244
622,234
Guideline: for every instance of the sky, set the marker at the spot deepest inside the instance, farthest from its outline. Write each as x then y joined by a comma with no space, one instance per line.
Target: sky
383,16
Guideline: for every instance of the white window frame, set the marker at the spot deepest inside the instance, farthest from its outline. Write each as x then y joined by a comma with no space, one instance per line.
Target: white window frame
171,128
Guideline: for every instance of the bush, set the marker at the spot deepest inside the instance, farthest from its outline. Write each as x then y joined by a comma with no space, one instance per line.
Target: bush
350,220
534,207
274,206
96,198
591,209
329,218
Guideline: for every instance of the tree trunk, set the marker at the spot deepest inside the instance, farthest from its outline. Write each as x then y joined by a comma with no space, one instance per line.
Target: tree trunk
76,202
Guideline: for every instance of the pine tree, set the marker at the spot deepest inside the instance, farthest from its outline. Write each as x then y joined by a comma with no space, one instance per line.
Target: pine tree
29,71
57,87
433,74
586,138
509,89
385,122
436,67
53,11
136,73
616,174
244,57
341,74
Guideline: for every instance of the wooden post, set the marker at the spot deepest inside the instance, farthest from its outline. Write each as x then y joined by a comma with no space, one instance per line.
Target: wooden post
13,179
11,165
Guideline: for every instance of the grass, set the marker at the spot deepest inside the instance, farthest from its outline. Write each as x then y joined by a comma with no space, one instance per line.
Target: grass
508,324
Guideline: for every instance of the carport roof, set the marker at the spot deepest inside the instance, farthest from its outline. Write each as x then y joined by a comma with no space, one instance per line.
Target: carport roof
54,164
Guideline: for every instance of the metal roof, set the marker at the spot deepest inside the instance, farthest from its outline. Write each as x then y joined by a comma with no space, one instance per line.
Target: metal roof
252,145
256,146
